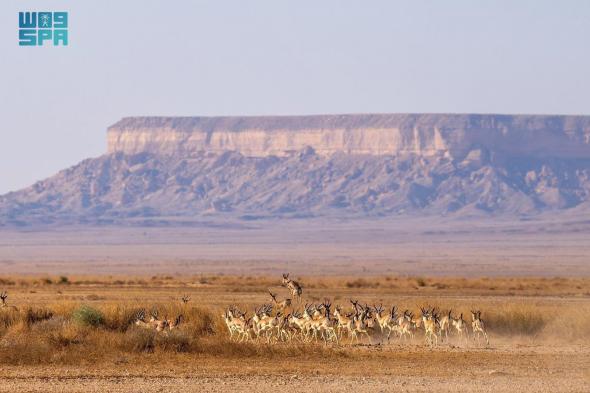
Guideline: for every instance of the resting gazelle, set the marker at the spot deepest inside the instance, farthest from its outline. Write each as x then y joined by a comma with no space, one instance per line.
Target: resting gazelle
155,323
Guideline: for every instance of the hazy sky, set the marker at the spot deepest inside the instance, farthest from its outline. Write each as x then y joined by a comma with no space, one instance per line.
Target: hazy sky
278,57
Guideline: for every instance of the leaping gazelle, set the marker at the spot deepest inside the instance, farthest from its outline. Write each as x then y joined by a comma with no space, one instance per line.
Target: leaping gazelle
293,286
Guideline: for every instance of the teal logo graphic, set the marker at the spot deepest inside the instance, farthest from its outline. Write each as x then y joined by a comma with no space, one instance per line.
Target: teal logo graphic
42,28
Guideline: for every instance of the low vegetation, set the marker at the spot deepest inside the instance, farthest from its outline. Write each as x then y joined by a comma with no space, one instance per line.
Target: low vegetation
91,320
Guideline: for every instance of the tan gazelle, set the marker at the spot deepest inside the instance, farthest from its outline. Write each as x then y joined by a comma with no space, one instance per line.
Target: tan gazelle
283,304
459,325
445,325
159,324
175,323
140,320
293,286
429,320
344,322
5,306
478,326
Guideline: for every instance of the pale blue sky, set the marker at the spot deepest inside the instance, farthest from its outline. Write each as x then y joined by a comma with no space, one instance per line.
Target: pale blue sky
278,57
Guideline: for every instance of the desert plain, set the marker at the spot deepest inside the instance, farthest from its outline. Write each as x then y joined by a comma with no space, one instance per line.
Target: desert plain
531,285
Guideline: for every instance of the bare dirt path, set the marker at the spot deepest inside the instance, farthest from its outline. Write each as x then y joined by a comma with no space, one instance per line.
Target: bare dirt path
505,368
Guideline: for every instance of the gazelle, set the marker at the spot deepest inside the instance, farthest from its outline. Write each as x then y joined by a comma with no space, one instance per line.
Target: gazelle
159,324
392,323
416,321
140,320
185,299
174,323
344,323
405,325
4,306
228,322
478,326
230,318
382,319
298,322
282,304
360,322
284,328
460,325
236,323
264,322
325,324
308,320
429,318
444,325
401,325
293,286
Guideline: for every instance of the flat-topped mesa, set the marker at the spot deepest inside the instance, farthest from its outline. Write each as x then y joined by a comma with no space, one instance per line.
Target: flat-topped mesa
375,134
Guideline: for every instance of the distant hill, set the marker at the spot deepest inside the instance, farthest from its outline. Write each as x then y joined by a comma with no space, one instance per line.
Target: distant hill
173,171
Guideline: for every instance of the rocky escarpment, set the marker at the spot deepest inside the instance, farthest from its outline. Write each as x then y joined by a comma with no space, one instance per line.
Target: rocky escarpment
188,170
374,134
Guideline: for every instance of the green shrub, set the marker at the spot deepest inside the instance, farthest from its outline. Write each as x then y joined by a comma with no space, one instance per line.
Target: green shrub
88,316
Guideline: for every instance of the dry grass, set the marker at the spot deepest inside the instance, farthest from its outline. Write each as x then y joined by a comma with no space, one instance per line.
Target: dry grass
510,286
82,320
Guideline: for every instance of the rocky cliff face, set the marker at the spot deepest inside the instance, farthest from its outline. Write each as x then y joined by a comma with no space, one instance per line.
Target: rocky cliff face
382,134
188,170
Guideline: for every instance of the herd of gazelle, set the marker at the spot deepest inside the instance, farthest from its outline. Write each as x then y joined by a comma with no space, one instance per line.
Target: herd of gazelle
321,321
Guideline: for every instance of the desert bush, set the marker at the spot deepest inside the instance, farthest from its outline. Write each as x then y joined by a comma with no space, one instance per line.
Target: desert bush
516,321
35,315
119,317
139,340
59,332
8,318
361,283
174,341
89,316
21,349
201,322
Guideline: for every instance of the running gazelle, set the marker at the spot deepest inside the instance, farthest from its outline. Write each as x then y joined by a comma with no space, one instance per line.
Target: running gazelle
283,304
478,326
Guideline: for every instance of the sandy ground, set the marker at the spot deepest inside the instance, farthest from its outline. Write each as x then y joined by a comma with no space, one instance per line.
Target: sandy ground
503,368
